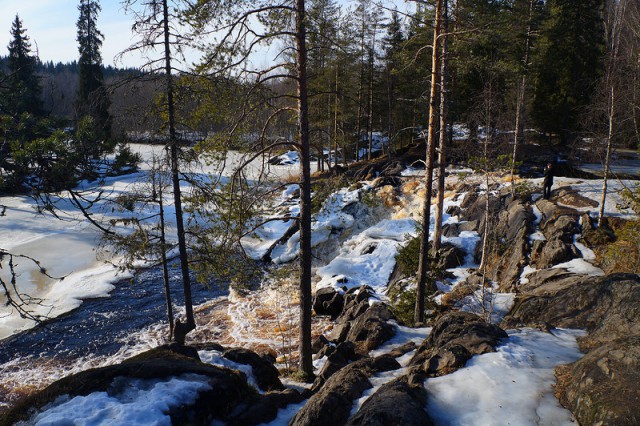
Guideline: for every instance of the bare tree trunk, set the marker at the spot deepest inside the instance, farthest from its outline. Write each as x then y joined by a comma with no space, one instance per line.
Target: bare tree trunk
370,115
306,366
607,161
360,90
520,99
335,123
442,158
430,154
163,254
181,330
614,44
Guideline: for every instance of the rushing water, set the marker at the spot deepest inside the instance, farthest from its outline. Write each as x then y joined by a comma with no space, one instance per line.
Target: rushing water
98,329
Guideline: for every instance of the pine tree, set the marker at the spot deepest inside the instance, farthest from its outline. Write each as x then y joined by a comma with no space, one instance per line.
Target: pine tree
24,94
93,99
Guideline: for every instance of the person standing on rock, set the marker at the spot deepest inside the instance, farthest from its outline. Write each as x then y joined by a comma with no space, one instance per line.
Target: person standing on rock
547,183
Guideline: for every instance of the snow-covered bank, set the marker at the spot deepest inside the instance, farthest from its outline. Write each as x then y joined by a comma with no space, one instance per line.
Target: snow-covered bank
511,386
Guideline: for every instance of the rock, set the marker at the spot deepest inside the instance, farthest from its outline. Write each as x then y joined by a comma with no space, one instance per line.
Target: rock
571,197
339,332
512,245
401,350
337,357
371,329
265,408
450,256
332,403
228,388
456,337
395,403
602,387
328,301
607,307
267,376
318,344
551,253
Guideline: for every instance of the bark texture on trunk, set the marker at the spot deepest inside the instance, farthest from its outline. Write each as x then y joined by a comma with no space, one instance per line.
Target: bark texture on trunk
423,267
306,365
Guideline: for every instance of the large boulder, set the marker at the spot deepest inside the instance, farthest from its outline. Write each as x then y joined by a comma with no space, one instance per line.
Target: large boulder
395,403
328,301
450,256
264,408
267,376
454,339
607,307
372,328
332,403
602,387
228,388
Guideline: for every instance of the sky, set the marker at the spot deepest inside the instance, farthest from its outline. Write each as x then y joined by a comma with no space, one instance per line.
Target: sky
51,26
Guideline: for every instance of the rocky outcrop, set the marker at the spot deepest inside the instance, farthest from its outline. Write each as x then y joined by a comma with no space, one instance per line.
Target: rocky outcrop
454,339
559,225
607,307
395,403
512,237
358,321
263,408
328,301
228,388
332,403
601,387
267,376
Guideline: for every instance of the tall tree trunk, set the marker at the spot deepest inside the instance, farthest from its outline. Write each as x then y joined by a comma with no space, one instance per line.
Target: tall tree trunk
180,330
521,98
360,91
442,142
163,252
306,366
607,161
335,123
423,265
614,44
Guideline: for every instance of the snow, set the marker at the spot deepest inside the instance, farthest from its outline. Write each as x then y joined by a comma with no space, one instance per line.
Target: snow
526,271
136,403
592,189
331,219
403,335
586,252
580,266
511,386
367,258
215,358
494,306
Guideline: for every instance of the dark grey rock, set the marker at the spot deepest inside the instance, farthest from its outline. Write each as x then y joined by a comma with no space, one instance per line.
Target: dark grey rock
456,337
395,404
267,376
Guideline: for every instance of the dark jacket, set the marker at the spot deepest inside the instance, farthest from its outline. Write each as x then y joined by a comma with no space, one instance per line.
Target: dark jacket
548,176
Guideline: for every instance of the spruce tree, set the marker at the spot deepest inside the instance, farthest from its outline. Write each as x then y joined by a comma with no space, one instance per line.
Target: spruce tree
24,94
568,64
93,100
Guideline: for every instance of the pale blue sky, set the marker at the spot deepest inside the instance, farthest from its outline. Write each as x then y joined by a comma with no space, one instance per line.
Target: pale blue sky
51,26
